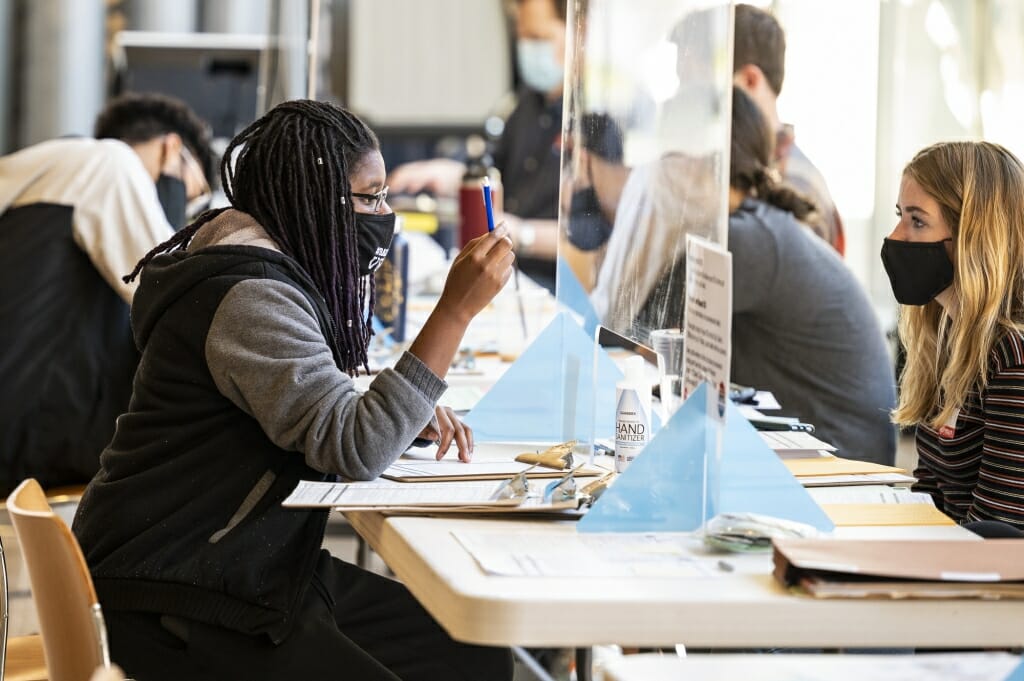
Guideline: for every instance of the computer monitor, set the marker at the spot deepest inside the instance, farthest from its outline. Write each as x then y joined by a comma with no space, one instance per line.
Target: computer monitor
222,76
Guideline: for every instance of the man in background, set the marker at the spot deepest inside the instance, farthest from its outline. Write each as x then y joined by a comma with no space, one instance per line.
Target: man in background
759,66
528,152
76,215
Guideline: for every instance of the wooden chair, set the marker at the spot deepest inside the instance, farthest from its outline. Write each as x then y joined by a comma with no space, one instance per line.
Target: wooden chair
25,661
70,619
21,658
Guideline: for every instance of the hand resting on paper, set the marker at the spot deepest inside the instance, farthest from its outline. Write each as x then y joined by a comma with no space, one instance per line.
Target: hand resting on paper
446,428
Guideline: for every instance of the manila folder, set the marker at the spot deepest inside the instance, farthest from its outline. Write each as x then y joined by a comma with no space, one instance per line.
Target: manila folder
837,568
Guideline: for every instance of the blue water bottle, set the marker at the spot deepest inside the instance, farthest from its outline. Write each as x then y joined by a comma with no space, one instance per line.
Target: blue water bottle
391,281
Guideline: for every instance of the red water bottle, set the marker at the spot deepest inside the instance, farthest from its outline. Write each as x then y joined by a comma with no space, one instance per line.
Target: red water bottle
472,213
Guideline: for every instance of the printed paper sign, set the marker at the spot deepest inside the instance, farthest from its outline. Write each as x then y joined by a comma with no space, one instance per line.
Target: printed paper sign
708,322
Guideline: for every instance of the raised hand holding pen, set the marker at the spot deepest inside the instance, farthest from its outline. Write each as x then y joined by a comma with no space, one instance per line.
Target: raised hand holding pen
477,274
489,206
488,194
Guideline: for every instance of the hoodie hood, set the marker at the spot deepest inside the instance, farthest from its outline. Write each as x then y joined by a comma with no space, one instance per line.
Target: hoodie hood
231,247
232,228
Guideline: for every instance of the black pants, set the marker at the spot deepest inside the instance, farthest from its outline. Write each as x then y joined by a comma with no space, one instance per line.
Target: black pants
353,624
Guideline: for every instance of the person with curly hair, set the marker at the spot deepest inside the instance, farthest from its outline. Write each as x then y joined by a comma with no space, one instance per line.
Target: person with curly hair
76,214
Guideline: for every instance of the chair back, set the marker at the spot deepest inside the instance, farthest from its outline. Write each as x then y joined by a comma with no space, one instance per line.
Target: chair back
70,618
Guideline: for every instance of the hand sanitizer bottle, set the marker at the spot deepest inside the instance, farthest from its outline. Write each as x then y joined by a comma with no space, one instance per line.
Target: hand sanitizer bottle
632,413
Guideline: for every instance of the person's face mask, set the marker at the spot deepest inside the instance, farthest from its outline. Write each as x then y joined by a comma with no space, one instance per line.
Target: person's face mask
170,191
373,239
538,64
917,271
588,228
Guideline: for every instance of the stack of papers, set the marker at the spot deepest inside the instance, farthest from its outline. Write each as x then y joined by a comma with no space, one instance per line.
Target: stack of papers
829,568
789,444
828,470
877,505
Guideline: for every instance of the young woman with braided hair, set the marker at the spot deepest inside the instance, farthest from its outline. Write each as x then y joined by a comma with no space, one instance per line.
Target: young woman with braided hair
251,323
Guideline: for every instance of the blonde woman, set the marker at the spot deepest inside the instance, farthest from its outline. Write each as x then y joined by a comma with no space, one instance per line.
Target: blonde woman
956,264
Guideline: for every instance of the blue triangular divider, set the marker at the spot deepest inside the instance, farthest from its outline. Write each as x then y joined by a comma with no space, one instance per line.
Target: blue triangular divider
527,403
661,490
1017,674
570,293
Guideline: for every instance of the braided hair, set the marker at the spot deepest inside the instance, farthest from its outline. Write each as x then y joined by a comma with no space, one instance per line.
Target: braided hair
292,172
750,164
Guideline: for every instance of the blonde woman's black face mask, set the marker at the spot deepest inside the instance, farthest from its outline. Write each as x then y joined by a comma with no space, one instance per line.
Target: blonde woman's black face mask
918,271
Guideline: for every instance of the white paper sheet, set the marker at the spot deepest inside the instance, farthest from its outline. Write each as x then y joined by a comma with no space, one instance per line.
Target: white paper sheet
867,479
794,442
587,555
447,468
384,494
766,400
868,494
920,667
461,398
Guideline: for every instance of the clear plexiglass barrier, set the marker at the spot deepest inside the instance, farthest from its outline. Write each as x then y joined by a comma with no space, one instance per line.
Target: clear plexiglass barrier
645,154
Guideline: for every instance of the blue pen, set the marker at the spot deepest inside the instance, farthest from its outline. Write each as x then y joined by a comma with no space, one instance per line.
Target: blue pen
487,204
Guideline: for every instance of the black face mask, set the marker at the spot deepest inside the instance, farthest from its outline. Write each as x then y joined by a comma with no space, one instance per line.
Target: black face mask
373,239
171,193
588,228
917,271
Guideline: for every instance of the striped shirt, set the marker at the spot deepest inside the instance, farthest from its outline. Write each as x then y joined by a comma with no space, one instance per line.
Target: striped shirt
976,471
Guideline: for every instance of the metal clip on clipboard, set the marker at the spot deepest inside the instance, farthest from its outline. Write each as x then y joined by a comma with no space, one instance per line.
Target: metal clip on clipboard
516,487
564,488
558,457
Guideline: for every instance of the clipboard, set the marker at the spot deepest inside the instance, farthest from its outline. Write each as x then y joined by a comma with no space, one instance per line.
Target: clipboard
830,568
552,462
430,499
362,496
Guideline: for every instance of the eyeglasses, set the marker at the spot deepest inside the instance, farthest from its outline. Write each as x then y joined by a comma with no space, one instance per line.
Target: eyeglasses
378,199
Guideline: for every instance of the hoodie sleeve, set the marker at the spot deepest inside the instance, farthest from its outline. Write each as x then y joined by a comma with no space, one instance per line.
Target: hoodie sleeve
267,354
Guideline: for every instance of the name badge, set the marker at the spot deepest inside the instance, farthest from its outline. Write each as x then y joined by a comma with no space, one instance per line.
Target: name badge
948,429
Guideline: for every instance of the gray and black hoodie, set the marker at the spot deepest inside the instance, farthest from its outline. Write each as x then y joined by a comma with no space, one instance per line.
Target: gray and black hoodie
238,396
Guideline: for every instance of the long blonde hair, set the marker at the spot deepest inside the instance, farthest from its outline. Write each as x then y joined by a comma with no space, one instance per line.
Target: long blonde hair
980,190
